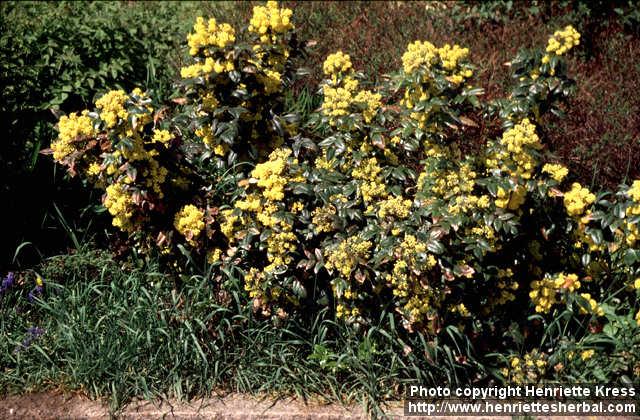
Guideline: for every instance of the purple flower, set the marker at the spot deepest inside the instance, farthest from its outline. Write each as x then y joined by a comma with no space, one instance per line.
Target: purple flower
7,283
32,334
37,291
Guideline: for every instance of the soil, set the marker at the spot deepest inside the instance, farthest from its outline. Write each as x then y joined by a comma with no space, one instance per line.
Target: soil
230,407
48,405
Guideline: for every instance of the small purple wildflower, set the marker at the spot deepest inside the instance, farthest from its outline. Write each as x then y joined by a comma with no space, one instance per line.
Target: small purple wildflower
32,334
7,283
37,291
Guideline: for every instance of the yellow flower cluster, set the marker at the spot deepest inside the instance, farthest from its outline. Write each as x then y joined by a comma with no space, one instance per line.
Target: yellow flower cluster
340,92
577,199
563,40
270,20
189,221
399,279
119,203
634,193
206,135
271,80
338,98
405,281
347,255
94,169
373,102
371,187
451,55
209,34
155,175
526,370
556,171
395,206
593,305
209,66
269,174
511,199
323,218
587,354
335,63
228,222
424,53
214,256
505,288
450,183
253,281
544,292
279,245
161,136
111,107
632,233
410,248
461,309
515,153
342,311
70,128
418,53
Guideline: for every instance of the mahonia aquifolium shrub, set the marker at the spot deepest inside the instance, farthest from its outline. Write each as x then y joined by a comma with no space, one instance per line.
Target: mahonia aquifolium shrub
372,205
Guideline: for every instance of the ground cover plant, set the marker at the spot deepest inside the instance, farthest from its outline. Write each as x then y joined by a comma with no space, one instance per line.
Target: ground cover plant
408,229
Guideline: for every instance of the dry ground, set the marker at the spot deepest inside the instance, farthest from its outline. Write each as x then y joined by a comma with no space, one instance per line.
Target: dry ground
230,407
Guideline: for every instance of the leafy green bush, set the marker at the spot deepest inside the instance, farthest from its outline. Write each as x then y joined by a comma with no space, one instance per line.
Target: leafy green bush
55,57
372,206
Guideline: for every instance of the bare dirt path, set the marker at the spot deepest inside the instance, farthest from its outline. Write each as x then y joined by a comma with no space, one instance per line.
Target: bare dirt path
231,407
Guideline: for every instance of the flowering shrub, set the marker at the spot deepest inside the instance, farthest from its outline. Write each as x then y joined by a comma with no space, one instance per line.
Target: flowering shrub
372,205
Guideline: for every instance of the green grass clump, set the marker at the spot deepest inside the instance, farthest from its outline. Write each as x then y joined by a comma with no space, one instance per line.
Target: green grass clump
120,331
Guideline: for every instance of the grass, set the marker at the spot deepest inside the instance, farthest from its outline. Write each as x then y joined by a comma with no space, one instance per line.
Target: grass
125,330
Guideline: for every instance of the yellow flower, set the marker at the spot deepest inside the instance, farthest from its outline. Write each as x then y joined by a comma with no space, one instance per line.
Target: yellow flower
395,206
563,40
593,306
515,153
587,354
161,136
338,62
269,174
418,53
345,257
120,205
94,169
557,172
372,100
71,128
189,221
270,19
112,107
634,191
214,256
209,34
577,199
